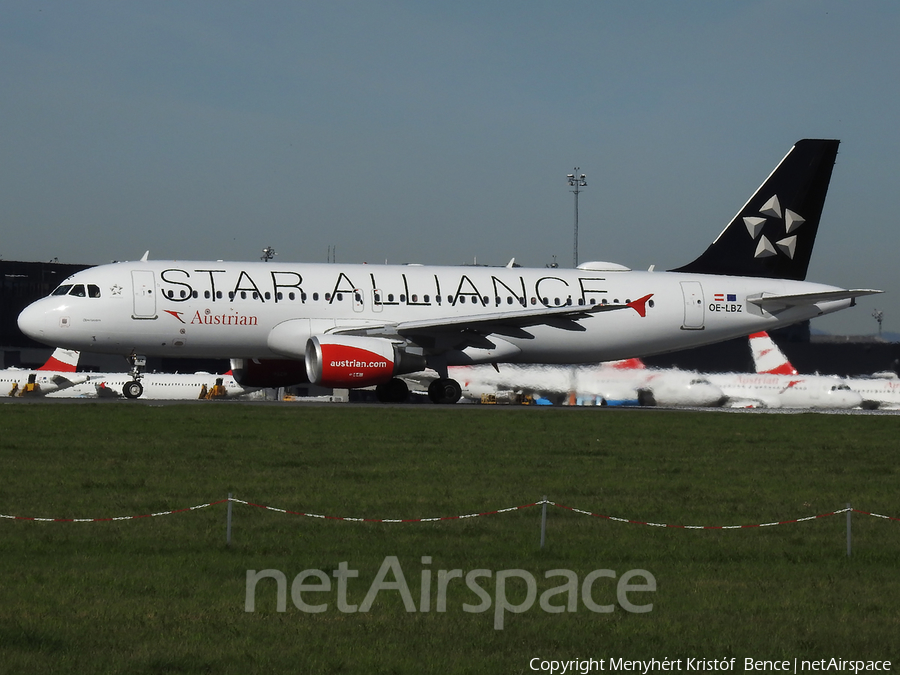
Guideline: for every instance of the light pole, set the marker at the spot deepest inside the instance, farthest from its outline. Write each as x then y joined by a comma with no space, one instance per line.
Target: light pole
576,181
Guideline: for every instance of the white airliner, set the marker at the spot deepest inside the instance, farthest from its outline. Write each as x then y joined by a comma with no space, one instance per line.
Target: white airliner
57,374
619,383
877,391
158,386
361,325
776,384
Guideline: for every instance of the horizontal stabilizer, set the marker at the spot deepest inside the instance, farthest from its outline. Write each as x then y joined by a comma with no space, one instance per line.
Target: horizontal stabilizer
771,302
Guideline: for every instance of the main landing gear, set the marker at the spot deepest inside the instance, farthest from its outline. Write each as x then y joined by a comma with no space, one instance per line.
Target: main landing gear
444,390
134,388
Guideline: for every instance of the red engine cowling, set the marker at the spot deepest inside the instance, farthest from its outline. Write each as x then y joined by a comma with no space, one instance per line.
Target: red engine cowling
268,372
353,361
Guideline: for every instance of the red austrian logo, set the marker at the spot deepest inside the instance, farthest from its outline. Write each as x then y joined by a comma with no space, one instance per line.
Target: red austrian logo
207,318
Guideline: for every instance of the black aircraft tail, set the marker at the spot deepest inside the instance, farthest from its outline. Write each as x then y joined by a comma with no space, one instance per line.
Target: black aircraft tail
773,234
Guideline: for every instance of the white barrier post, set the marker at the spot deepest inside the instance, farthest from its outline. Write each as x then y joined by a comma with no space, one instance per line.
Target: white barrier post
228,523
849,511
543,520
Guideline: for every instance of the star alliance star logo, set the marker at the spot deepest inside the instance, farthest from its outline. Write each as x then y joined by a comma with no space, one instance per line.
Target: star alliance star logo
116,289
787,245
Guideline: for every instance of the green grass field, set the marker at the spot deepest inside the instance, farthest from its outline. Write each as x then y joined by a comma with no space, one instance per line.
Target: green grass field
165,595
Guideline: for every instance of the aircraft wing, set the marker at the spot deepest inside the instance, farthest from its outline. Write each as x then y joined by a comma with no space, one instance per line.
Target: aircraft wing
777,302
498,322
64,382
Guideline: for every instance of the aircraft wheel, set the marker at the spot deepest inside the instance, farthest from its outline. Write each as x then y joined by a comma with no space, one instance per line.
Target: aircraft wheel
394,391
133,389
444,391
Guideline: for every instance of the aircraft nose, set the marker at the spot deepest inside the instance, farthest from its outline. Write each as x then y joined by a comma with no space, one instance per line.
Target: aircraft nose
31,321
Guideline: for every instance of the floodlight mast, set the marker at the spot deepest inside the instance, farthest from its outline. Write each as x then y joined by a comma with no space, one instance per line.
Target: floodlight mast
576,181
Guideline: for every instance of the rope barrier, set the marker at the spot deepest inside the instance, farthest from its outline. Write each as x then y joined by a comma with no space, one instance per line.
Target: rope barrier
447,518
102,520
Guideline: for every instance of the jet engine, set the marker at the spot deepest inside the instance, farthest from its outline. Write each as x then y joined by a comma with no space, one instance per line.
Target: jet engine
354,361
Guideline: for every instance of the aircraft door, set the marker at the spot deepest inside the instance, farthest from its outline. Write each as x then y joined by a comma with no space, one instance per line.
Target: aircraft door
144,286
693,305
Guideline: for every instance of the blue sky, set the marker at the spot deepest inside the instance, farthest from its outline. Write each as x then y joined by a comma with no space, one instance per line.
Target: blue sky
441,133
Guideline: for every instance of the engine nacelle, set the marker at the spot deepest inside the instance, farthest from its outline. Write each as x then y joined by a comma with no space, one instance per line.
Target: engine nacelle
352,361
268,372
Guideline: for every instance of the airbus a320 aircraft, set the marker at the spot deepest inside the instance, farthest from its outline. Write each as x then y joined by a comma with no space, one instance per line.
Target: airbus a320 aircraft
776,383
361,325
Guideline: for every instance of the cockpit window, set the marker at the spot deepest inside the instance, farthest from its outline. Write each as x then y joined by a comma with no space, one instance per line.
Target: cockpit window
93,291
78,291
62,290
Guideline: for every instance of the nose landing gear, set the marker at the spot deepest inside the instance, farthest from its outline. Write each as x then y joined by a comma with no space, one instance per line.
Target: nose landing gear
134,388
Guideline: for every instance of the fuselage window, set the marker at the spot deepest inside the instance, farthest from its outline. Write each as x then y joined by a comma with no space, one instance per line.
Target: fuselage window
243,295
484,301
219,295
450,299
268,296
357,297
437,299
194,294
425,298
206,294
62,290
302,296
255,295
546,301
390,297
93,291
415,298
461,299
402,297
328,297
231,295
315,296
78,291
533,301
556,301
378,297
340,297
509,300
280,296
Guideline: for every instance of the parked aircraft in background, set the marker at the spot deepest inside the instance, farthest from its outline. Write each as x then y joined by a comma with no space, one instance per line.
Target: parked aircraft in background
57,374
776,384
159,386
361,325
881,390
618,383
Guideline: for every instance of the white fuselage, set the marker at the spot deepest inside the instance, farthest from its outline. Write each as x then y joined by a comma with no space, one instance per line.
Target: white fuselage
268,310
786,391
156,386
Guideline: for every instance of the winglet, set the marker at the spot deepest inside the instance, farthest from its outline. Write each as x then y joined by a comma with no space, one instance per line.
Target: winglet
640,305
